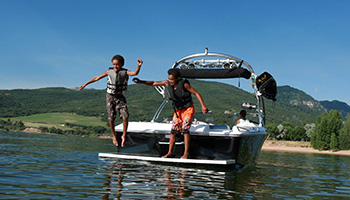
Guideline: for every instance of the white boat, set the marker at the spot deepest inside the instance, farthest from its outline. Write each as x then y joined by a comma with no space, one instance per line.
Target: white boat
210,144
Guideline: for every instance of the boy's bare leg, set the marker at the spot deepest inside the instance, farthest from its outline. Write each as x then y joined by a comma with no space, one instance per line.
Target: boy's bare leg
115,141
187,145
125,128
171,146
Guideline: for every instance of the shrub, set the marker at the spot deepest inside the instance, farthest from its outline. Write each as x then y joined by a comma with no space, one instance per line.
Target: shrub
344,135
327,124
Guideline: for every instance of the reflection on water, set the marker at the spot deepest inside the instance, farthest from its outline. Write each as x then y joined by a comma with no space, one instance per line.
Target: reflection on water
110,178
34,166
311,175
139,179
277,175
176,189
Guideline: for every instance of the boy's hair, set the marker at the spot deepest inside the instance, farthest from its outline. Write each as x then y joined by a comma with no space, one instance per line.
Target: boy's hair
119,58
175,72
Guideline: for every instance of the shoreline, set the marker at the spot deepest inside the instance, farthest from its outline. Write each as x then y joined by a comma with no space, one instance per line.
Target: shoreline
298,147
269,145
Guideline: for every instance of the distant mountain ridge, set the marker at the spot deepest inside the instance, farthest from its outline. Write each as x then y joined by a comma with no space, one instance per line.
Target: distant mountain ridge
292,105
342,107
293,96
288,94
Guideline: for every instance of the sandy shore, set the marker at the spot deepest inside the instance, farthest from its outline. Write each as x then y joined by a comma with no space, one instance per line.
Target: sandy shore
32,130
297,147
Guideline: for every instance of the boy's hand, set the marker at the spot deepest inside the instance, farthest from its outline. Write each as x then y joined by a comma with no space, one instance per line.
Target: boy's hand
139,62
136,80
82,87
204,110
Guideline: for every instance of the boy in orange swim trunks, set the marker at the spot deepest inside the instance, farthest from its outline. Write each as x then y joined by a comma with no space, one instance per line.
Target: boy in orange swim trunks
180,92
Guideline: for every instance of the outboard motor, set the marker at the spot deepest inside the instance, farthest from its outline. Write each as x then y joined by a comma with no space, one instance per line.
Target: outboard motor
267,86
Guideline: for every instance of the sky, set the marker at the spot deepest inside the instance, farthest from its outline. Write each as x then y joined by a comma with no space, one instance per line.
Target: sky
64,43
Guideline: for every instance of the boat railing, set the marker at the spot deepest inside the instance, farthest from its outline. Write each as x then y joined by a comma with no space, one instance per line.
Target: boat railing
235,62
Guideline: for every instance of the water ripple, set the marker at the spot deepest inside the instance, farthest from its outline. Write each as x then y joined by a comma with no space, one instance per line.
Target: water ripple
34,166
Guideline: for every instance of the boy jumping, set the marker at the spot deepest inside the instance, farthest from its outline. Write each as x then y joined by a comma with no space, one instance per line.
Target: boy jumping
117,83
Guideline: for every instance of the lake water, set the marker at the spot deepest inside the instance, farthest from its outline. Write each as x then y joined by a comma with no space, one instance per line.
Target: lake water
36,166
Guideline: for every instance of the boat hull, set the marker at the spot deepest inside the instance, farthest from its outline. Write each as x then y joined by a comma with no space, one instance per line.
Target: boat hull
207,142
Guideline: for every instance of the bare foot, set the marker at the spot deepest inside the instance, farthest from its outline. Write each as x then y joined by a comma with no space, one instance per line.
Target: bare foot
115,142
123,141
167,155
185,156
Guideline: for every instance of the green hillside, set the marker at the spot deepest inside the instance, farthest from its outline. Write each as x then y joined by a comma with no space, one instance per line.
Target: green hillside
294,106
342,107
143,101
289,95
60,119
27,102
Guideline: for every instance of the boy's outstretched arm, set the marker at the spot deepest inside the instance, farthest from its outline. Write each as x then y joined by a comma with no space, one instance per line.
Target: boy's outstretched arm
94,79
151,83
199,97
138,68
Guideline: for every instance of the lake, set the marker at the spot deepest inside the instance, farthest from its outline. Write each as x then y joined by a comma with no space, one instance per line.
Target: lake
39,166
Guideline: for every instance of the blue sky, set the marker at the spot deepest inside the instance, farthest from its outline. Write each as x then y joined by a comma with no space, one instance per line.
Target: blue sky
64,43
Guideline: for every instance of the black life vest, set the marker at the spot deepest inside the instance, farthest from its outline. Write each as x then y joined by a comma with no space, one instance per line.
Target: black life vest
181,97
117,82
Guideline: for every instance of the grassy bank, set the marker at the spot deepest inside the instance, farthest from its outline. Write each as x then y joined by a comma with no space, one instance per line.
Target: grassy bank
58,120
59,123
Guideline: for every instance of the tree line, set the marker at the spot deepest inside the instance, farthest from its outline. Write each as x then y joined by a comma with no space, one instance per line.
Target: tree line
328,133
8,125
76,129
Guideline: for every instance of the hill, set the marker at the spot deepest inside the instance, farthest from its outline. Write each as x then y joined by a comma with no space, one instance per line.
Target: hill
21,102
342,107
292,105
293,96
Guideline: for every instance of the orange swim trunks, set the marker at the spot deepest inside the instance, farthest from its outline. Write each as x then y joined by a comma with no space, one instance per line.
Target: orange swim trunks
182,120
